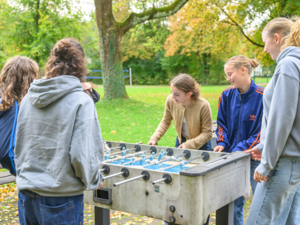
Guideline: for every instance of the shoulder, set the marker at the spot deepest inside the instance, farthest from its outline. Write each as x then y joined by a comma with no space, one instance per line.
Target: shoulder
201,102
290,66
259,90
227,92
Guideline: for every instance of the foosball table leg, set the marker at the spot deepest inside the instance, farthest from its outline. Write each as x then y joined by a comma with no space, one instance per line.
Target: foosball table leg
102,216
224,215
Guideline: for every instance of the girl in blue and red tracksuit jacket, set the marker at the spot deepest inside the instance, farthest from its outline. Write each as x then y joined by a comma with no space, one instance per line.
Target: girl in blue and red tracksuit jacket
239,117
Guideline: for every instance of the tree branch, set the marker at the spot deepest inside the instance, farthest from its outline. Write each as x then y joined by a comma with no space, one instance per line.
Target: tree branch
154,13
234,23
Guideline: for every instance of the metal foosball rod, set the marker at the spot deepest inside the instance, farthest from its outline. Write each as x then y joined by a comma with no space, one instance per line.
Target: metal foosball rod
204,156
124,172
124,157
145,175
167,178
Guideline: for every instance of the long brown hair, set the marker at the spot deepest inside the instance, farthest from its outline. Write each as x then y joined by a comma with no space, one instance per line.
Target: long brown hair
66,58
15,79
186,83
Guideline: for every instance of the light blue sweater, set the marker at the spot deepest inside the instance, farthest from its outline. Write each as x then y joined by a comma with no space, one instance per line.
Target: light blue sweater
280,133
59,145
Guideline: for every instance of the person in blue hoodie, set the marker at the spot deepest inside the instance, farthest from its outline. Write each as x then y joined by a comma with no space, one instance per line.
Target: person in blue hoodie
277,197
16,76
59,147
239,117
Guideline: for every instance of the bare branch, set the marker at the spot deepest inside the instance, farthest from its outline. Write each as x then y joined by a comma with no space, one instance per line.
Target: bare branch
154,13
234,23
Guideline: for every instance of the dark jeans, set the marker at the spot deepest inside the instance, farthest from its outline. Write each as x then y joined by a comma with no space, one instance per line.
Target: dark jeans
206,146
35,209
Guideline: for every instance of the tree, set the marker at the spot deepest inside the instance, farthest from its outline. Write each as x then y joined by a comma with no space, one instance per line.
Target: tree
111,32
198,30
34,26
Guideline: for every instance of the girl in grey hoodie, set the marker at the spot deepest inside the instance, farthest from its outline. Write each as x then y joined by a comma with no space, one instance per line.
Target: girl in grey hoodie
59,145
277,196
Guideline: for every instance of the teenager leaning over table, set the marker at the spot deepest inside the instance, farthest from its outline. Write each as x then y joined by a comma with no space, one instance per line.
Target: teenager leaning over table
191,114
239,117
59,145
277,197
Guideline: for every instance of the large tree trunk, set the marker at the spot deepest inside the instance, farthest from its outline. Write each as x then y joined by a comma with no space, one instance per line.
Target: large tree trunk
110,36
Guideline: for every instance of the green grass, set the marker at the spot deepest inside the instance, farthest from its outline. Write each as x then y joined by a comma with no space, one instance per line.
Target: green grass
135,119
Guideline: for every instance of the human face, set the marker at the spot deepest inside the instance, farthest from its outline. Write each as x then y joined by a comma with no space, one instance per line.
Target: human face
234,76
272,44
180,97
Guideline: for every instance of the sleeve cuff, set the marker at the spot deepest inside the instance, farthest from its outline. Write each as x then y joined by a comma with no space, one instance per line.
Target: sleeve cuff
262,170
222,144
260,147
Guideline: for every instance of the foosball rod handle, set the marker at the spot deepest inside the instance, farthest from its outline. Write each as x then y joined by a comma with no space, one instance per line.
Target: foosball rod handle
145,175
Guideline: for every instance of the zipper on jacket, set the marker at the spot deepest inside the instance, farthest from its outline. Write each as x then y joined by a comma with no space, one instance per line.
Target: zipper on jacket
240,96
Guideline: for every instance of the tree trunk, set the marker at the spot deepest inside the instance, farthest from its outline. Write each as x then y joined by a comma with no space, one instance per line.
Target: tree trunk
110,36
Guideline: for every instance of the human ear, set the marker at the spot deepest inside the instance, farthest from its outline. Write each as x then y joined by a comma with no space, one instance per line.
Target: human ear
277,38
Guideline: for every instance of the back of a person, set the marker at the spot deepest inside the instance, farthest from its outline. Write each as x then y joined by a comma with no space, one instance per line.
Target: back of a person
47,119
59,146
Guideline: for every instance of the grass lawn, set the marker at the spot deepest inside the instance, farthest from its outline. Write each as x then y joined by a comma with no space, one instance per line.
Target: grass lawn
135,119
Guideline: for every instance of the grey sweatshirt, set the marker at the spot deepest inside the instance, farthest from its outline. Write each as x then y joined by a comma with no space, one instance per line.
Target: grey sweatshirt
280,132
59,146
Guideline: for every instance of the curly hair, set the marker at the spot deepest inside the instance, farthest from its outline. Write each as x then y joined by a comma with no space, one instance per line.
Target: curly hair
15,79
186,83
66,58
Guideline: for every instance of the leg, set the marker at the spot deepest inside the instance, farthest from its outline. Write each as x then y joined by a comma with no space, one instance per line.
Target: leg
224,215
238,216
275,200
253,183
59,210
27,214
102,216
206,146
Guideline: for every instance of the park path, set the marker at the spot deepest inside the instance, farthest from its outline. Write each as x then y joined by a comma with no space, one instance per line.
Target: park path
9,211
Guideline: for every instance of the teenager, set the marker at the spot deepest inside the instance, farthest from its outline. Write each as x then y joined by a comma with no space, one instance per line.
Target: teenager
59,146
239,117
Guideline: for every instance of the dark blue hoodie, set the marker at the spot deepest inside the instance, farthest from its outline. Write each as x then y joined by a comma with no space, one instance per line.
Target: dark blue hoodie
7,136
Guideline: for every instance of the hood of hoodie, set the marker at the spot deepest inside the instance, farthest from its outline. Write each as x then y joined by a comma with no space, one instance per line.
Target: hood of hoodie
44,92
289,51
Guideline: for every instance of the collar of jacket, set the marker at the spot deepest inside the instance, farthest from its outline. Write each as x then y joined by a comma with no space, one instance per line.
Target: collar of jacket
246,95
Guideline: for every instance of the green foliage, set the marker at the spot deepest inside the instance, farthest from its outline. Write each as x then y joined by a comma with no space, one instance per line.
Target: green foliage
136,119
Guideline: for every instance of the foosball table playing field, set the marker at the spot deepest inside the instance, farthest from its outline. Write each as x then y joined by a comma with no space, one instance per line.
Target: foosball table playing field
180,186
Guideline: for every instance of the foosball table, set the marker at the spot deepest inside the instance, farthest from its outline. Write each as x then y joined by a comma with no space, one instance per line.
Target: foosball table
180,186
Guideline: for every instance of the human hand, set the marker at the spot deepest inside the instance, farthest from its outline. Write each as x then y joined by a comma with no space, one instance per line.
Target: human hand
182,146
100,186
152,142
87,86
219,148
258,177
255,153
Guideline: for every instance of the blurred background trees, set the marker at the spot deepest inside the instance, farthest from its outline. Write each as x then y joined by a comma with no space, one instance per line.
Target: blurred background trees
197,40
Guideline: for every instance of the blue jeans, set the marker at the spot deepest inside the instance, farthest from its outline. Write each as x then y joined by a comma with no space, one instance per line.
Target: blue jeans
240,202
277,201
206,146
35,209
